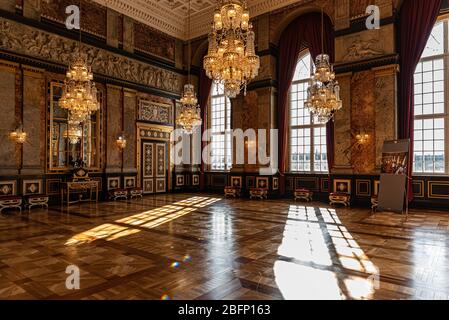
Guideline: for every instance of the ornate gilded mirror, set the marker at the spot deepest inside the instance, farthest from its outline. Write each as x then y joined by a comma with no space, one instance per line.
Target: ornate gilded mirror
69,148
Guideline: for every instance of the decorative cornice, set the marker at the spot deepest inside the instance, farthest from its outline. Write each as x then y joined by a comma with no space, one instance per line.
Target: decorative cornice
173,21
368,64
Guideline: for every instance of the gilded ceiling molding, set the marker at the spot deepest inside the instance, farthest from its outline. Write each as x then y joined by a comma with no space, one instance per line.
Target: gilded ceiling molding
163,16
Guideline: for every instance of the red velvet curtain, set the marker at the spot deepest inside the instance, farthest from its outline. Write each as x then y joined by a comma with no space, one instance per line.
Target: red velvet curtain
417,18
205,87
302,33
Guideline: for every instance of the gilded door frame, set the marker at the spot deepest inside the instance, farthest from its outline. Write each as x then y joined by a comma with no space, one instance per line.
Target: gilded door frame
143,128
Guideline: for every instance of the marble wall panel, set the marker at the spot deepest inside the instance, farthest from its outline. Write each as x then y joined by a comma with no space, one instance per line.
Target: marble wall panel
8,119
386,103
34,121
129,122
343,128
114,128
363,121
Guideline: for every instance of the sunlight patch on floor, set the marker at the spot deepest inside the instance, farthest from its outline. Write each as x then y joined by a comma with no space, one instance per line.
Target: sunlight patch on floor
319,242
147,219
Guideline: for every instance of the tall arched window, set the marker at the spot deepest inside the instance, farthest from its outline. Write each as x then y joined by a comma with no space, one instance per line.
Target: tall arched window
431,107
220,123
307,135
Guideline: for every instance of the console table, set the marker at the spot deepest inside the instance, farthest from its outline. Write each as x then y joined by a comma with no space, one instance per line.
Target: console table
90,186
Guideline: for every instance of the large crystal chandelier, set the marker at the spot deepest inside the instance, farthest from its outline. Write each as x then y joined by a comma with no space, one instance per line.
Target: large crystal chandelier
190,116
323,94
79,95
231,58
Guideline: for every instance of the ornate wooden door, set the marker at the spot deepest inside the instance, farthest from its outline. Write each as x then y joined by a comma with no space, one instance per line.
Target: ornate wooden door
154,167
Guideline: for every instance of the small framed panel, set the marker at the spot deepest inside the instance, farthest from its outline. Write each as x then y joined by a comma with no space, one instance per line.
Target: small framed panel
32,187
180,180
148,186
250,182
363,188
160,159
148,151
262,183
324,185
160,185
54,186
236,182
418,189
7,188
195,180
342,186
275,183
438,190
130,182
113,183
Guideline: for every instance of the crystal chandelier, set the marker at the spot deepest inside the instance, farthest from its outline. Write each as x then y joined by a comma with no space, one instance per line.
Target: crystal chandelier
323,94
231,58
79,95
190,115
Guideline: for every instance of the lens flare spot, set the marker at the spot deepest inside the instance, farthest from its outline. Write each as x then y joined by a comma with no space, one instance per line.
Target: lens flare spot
165,297
186,258
175,264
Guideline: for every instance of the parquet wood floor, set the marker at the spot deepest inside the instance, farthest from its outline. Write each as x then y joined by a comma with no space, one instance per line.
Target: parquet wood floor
202,246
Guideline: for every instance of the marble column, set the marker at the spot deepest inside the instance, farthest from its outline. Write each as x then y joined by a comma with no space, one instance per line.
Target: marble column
128,34
112,28
8,164
114,129
129,127
34,120
386,106
342,164
32,9
8,5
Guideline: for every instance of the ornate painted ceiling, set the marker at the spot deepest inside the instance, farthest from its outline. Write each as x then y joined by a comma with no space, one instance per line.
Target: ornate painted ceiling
170,16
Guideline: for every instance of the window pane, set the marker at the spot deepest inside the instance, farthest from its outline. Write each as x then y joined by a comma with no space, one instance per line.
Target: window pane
430,109
308,136
302,71
221,155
